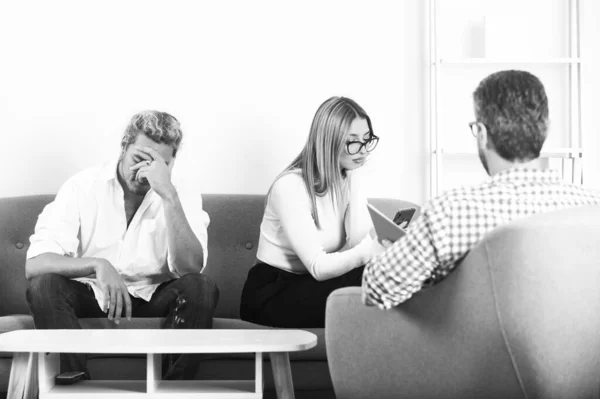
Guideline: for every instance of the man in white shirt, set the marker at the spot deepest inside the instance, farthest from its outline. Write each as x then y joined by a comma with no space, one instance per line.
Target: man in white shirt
120,240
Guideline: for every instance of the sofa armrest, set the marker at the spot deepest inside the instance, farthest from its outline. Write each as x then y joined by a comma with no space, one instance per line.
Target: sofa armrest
359,340
437,345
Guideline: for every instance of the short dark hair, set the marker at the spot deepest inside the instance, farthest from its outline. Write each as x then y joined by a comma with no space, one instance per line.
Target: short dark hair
514,108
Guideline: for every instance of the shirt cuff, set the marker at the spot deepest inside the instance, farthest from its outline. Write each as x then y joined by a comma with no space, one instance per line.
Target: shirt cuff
41,247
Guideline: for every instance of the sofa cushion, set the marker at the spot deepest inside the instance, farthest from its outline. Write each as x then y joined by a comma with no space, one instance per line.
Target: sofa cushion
12,323
16,322
155,322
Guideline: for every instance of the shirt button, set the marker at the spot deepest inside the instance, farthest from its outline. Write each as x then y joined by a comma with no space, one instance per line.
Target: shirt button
19,245
249,245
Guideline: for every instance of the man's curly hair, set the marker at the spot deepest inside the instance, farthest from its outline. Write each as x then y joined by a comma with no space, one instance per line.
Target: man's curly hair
158,126
514,108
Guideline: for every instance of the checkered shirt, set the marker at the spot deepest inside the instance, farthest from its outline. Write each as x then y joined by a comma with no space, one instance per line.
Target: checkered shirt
450,225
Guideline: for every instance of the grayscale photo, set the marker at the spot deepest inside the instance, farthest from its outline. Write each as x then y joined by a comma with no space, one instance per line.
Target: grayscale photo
283,199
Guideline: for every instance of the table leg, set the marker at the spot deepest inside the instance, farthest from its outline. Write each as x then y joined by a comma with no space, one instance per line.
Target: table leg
258,374
282,375
22,383
153,371
49,368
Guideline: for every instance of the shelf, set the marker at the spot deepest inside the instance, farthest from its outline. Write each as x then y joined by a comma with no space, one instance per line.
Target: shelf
242,388
124,389
491,61
493,55
166,389
549,153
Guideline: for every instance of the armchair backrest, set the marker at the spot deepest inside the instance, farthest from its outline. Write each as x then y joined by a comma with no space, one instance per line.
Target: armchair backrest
520,317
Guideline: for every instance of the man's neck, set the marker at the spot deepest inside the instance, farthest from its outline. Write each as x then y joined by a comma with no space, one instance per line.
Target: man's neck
497,164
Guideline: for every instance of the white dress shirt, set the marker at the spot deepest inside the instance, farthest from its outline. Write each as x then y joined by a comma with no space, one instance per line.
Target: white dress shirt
87,219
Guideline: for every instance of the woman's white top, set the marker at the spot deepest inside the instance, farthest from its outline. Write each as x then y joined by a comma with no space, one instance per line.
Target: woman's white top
290,239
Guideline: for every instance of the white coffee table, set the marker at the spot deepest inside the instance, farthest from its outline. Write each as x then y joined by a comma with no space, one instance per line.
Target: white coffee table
47,344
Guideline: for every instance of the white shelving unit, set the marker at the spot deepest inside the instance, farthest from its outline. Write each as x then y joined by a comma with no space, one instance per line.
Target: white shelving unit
567,160
499,61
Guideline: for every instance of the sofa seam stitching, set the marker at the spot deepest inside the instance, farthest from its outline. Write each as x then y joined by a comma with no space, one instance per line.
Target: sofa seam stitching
501,324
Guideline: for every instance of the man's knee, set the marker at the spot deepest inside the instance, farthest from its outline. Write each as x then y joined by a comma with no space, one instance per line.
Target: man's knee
44,287
200,287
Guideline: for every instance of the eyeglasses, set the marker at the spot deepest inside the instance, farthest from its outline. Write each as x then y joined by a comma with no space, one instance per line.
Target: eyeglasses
354,147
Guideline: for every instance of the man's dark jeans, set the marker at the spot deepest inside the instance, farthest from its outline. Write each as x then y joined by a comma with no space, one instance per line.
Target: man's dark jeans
56,302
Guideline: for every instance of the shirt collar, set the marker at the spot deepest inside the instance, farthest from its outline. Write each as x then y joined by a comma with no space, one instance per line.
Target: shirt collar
526,175
109,170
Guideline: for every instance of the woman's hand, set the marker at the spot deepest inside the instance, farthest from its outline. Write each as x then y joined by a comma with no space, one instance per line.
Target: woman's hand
377,247
380,246
386,243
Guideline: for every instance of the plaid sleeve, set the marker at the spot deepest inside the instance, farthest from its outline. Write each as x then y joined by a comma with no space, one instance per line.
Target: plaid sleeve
394,276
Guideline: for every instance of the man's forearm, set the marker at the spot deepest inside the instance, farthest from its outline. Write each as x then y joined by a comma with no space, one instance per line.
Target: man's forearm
184,247
65,266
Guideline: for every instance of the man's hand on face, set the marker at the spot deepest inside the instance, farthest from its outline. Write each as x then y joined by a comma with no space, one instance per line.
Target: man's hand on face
115,292
155,170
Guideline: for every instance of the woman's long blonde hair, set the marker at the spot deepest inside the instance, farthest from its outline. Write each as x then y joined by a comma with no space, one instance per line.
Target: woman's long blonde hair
319,160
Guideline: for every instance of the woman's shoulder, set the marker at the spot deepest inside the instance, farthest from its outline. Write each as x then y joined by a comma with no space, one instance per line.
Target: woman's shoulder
289,187
288,180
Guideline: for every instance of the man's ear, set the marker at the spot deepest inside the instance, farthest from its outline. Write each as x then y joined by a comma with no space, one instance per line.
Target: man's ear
123,149
124,145
482,136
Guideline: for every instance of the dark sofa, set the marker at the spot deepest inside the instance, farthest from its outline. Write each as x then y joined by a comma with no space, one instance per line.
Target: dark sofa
233,238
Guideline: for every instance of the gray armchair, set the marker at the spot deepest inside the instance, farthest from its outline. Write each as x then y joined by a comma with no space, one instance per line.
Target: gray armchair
519,318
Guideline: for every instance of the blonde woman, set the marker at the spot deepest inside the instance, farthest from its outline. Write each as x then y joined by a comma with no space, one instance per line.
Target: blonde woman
315,233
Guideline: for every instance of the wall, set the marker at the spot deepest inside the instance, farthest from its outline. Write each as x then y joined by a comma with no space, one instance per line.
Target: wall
243,77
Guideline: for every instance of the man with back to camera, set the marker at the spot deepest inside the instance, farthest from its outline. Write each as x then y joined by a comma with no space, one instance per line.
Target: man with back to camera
119,240
511,125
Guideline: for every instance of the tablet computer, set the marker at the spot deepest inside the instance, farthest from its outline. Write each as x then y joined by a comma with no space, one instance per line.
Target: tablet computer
385,228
